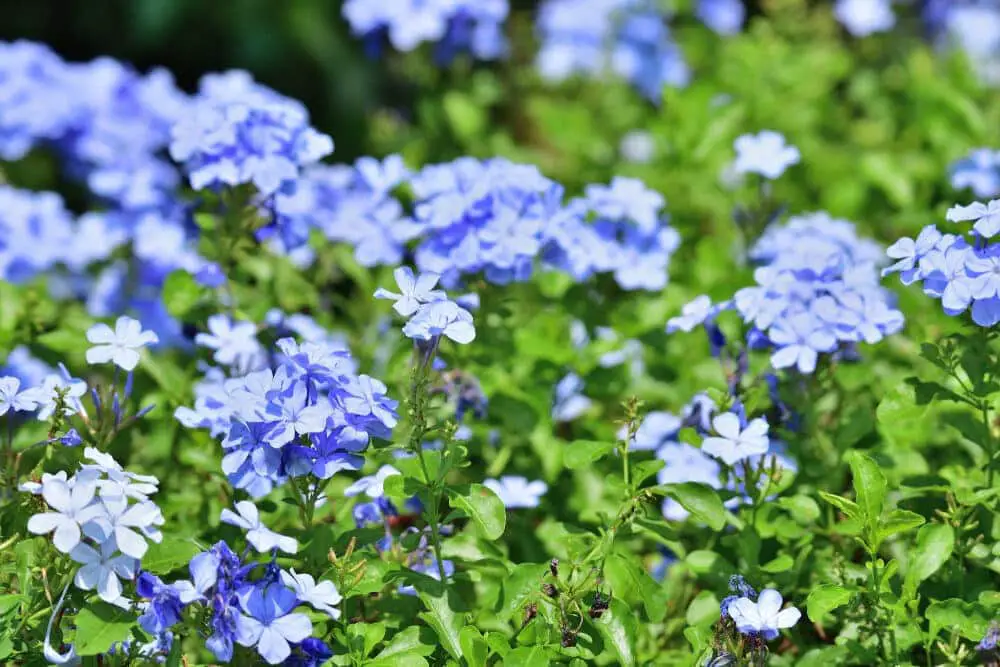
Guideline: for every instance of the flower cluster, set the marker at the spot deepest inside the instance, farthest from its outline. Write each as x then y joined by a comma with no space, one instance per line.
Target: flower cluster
817,292
309,414
247,135
350,204
101,517
627,37
963,270
619,228
259,613
473,26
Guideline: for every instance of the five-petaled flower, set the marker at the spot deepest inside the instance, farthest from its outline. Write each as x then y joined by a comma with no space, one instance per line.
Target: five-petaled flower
121,345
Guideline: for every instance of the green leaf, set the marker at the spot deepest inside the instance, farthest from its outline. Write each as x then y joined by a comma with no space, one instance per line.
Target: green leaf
971,620
935,543
803,509
581,453
848,507
63,340
181,293
701,501
625,574
445,622
527,656
520,585
869,486
782,563
473,646
703,610
100,625
483,506
8,602
899,521
618,627
413,640
644,470
170,554
824,599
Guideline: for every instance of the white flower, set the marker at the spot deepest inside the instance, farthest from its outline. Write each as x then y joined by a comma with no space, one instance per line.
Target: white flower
125,524
765,154
415,291
733,444
260,536
372,485
101,569
120,346
11,398
322,596
73,389
73,507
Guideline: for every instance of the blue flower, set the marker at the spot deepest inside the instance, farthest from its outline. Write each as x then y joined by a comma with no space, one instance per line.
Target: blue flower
235,343
736,441
570,403
13,398
516,491
765,153
441,318
165,606
865,17
723,16
987,217
763,617
980,172
262,538
269,623
657,428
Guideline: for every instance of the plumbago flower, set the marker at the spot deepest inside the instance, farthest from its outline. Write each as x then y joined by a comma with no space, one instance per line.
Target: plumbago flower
432,315
101,517
120,346
765,154
979,172
255,612
516,491
736,439
817,293
961,269
262,538
310,414
763,617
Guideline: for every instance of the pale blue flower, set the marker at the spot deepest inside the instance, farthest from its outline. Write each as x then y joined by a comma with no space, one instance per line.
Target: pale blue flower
570,403
765,616
373,485
235,343
101,568
734,442
414,292
120,346
12,398
987,217
441,318
516,491
322,596
262,538
765,153
72,502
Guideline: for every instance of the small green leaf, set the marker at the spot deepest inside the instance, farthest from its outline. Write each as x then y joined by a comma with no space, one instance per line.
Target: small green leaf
824,599
703,610
483,506
935,543
899,521
181,293
803,509
701,501
618,627
170,554
519,586
443,620
527,656
782,563
971,620
100,625
848,507
581,453
869,486
473,646
414,640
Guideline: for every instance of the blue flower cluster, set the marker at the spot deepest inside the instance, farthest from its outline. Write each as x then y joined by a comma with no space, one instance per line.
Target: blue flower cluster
245,134
628,37
457,26
817,292
309,414
259,613
963,270
979,171
618,228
